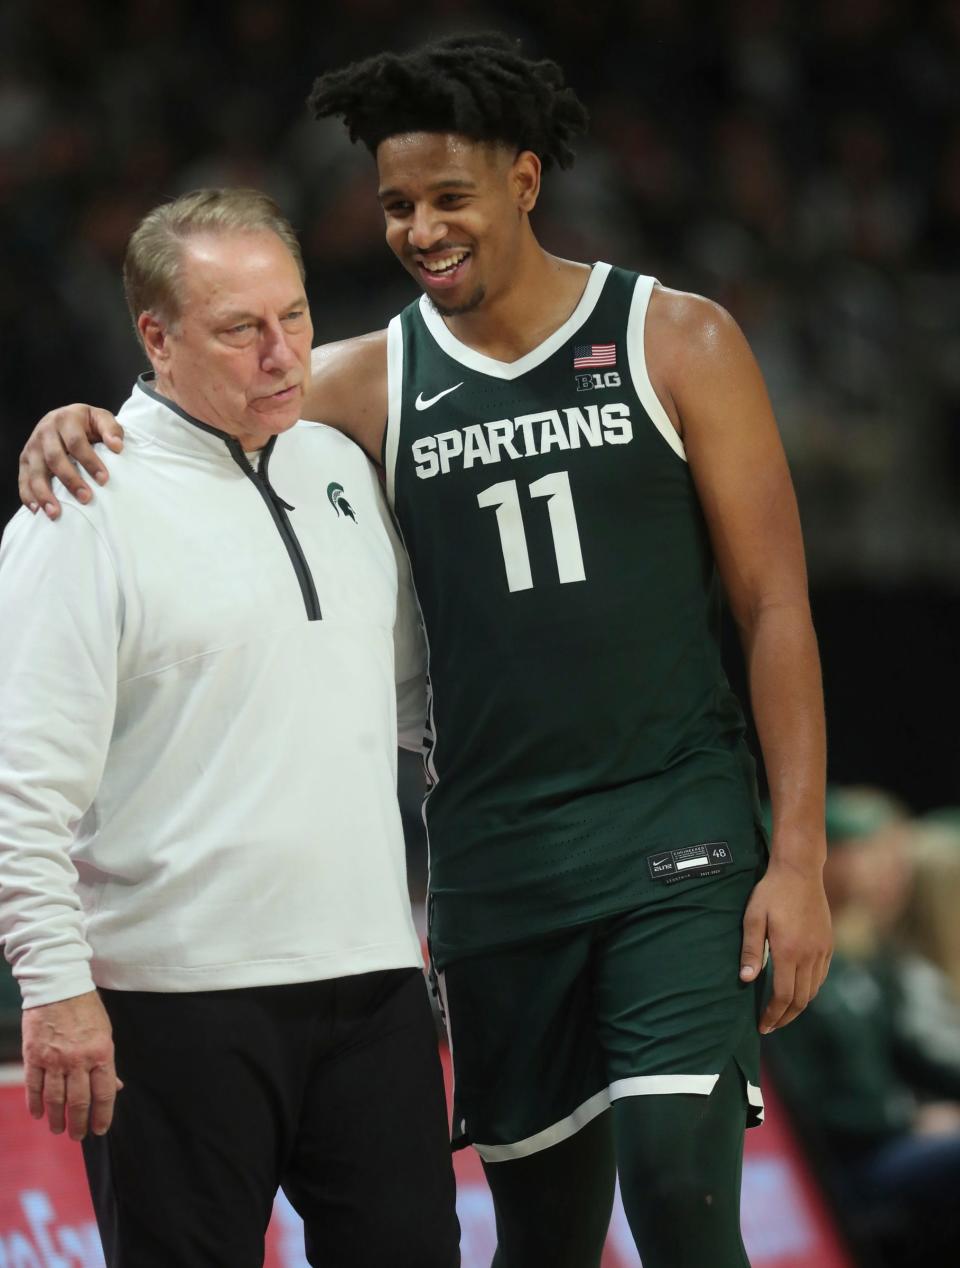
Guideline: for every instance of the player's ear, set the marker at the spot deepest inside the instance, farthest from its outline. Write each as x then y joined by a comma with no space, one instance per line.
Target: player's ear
525,180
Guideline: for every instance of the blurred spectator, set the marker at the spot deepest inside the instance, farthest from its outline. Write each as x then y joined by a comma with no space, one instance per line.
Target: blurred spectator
872,1069
929,924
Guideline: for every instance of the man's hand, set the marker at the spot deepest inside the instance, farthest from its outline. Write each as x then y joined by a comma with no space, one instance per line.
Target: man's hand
788,909
68,1064
61,436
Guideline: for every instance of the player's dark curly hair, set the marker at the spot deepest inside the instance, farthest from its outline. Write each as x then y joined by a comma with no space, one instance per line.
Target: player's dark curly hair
480,86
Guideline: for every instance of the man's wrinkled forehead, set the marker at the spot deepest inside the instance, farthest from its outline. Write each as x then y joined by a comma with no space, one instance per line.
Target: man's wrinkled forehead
237,276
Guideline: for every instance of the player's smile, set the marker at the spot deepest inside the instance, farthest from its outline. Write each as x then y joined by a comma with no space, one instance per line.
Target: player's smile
442,268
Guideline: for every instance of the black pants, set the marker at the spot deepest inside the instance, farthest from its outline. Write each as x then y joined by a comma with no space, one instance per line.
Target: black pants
330,1090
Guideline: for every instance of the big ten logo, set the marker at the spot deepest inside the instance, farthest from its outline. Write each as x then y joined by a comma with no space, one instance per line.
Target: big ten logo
590,382
45,1243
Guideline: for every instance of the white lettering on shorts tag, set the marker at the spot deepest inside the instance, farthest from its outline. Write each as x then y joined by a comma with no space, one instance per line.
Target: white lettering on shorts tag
692,860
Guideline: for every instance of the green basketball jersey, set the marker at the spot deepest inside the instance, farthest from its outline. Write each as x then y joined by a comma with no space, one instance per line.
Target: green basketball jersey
580,720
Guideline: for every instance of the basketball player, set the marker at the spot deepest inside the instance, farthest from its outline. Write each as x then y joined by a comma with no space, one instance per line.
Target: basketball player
577,458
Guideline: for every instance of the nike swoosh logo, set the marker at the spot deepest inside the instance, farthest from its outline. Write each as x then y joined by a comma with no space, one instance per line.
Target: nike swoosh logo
421,403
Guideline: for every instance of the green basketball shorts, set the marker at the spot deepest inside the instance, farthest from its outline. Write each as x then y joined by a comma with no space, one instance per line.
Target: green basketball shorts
545,1035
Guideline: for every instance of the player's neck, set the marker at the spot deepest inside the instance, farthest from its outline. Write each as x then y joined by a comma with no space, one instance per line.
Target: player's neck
542,294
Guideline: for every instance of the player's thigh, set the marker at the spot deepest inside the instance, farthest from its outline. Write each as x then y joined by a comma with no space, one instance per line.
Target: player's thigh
530,1094
188,1171
679,1033
528,1072
672,1012
371,1173
680,1161
553,1206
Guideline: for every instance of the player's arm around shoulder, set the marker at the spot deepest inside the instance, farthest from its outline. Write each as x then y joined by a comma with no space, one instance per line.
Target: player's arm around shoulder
348,390
711,386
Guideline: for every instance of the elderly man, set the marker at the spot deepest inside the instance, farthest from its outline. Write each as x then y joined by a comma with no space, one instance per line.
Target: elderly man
201,856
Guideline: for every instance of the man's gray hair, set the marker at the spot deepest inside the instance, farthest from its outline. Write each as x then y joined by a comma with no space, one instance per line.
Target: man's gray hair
152,265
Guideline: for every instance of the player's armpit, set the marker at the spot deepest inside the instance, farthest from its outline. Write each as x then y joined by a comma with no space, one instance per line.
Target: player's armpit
61,439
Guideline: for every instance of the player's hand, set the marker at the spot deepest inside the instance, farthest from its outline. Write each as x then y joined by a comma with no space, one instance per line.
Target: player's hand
62,437
68,1065
788,909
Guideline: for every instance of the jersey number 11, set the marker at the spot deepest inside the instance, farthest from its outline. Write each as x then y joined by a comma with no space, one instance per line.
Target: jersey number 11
513,539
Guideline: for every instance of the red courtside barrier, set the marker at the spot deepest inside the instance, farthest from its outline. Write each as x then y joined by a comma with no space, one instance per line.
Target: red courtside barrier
46,1220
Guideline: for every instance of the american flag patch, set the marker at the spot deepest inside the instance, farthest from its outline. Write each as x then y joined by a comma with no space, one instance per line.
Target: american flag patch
588,355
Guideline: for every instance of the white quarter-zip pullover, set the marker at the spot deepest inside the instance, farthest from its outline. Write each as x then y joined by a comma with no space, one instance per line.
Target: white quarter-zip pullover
198,719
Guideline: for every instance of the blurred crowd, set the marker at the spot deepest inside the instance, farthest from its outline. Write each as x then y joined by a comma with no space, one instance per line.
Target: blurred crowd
797,159
871,1071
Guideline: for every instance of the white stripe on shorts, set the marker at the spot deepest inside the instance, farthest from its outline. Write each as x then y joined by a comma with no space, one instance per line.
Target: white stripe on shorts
552,1135
663,1085
639,1085
755,1098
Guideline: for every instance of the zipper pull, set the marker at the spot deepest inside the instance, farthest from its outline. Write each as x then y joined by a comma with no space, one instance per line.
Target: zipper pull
264,476
277,499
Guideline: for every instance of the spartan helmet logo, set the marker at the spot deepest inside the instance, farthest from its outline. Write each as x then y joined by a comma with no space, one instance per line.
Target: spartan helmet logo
339,502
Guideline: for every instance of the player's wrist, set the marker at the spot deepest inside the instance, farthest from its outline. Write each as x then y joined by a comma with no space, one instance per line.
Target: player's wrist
800,853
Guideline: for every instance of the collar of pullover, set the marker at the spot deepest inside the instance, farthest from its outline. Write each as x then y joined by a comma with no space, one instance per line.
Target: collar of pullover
174,428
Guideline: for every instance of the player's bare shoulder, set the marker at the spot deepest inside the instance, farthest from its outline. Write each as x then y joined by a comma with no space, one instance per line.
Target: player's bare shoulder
683,327
688,340
349,388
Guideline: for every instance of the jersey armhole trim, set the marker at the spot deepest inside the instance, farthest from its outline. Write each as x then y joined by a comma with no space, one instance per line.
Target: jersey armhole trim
637,359
391,436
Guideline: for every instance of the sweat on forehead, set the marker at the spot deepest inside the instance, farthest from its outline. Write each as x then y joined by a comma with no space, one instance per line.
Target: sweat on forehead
442,157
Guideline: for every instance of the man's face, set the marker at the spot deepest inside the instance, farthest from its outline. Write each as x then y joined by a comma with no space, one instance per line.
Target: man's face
238,356
454,213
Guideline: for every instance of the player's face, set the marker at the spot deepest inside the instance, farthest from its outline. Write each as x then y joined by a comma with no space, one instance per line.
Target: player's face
238,357
454,213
